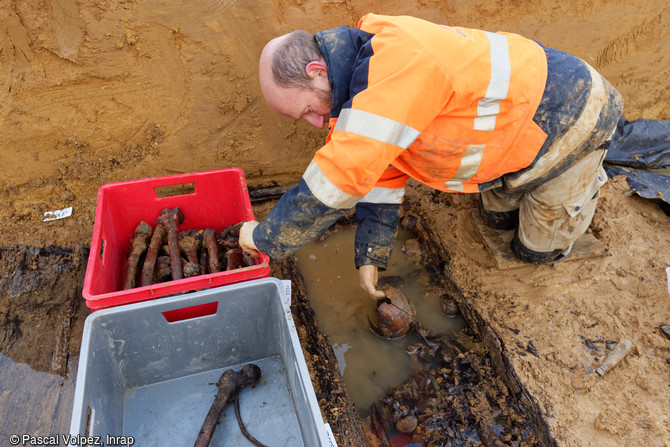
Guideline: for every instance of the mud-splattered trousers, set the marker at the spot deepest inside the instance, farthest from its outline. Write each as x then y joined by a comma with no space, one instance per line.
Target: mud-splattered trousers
552,202
439,134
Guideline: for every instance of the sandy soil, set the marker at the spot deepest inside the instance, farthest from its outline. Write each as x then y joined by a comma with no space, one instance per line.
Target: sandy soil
100,91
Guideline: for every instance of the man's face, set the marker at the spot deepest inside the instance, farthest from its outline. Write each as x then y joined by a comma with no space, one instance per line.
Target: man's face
310,104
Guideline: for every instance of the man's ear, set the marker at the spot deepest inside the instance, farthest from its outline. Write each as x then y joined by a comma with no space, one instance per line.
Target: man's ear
316,68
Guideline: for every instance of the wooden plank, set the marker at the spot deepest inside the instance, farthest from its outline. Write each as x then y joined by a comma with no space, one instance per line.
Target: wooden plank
497,242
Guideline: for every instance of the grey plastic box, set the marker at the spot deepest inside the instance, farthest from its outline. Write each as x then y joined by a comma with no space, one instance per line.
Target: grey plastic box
142,376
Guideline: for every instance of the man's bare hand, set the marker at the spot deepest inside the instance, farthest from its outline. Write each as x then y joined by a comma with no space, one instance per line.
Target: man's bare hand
246,238
368,275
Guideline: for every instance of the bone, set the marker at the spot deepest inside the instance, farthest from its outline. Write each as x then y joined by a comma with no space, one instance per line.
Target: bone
234,259
229,237
229,385
162,271
209,239
170,219
138,246
155,245
189,245
203,261
248,259
191,269
231,231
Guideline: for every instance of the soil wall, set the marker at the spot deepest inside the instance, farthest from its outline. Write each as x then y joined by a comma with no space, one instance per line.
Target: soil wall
100,91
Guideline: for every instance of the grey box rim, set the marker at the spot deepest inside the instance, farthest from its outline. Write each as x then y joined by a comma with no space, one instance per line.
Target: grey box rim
309,416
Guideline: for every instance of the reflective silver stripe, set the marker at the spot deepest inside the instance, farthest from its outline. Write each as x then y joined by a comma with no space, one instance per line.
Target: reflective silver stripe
324,190
489,107
384,195
469,165
454,185
376,127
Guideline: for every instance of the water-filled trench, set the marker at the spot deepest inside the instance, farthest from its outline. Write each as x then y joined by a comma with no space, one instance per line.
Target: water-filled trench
437,385
371,366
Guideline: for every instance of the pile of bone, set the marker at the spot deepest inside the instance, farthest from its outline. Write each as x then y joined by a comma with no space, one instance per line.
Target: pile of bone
166,254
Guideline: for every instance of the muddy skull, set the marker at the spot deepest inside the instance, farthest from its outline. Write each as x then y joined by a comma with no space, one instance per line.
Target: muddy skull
395,314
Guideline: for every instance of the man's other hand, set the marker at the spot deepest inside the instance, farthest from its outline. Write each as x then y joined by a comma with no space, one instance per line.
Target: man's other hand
246,238
368,275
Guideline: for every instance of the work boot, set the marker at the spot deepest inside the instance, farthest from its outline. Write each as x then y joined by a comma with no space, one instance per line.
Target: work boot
499,220
536,257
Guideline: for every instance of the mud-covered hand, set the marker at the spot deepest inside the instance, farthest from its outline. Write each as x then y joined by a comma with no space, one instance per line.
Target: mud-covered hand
246,238
368,275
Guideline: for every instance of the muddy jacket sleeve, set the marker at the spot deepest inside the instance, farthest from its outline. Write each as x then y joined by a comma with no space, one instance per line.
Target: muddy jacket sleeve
377,215
297,218
376,233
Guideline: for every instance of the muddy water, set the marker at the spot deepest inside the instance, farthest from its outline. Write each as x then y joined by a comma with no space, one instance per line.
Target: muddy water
371,366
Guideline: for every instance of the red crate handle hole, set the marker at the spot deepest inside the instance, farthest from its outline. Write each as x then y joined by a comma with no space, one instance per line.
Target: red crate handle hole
174,190
186,313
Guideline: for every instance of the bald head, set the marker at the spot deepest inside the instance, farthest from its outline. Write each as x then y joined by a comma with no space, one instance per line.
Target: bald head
292,68
286,58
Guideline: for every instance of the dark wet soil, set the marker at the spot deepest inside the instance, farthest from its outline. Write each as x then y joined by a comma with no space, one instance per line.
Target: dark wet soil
41,308
452,398
42,315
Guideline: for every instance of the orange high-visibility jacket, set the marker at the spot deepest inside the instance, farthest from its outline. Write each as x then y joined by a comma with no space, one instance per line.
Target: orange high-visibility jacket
450,107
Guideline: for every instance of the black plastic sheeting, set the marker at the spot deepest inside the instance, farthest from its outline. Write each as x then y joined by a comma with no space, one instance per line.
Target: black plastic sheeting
637,148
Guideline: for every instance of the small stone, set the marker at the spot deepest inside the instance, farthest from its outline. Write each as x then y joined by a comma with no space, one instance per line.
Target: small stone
583,379
407,424
67,196
449,307
412,249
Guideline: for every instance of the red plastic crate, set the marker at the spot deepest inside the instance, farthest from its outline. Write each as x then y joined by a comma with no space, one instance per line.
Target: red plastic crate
212,199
